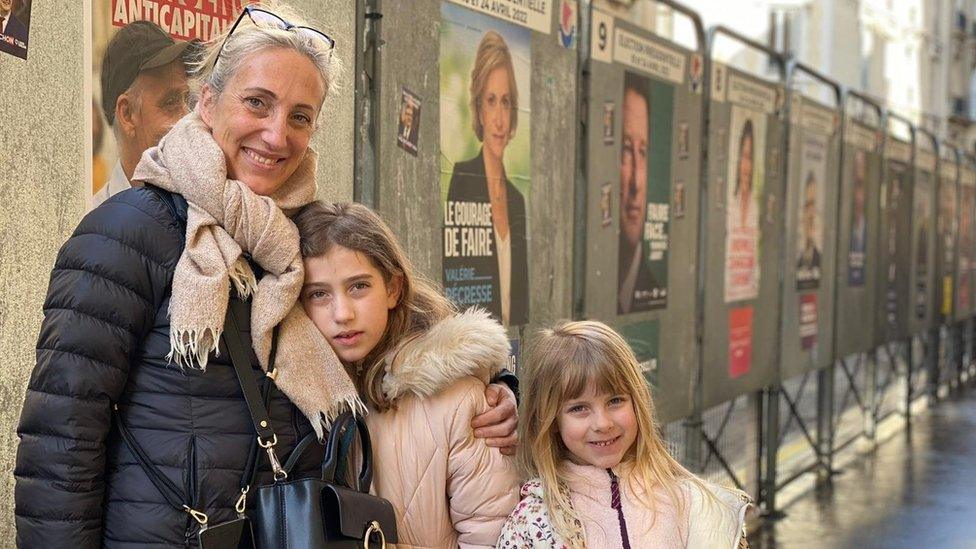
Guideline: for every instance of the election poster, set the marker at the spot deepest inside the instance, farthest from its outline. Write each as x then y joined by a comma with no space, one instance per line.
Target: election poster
922,218
948,224
894,203
809,233
965,255
485,127
644,340
140,52
15,17
740,341
645,188
808,320
857,249
746,169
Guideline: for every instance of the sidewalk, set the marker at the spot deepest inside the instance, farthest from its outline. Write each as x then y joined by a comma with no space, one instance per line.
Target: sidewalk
917,489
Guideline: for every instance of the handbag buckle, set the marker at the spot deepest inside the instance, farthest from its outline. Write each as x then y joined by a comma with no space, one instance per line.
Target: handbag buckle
276,468
374,528
198,516
241,504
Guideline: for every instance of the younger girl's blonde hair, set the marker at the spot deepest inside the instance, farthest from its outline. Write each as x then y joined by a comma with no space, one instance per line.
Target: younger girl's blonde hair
322,226
563,362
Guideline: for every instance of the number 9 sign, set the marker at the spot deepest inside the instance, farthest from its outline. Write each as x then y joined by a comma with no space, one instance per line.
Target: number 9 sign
601,37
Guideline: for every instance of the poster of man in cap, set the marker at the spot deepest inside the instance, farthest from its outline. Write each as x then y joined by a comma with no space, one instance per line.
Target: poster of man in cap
139,70
14,27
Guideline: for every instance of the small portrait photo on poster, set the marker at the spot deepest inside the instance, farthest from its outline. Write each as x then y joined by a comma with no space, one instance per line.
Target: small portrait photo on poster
408,126
15,27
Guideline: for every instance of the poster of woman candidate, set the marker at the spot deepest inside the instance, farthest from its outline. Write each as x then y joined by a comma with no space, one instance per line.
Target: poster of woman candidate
809,232
645,188
485,68
746,173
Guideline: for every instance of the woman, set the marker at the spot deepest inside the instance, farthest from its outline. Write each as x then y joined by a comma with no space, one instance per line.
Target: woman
482,179
137,303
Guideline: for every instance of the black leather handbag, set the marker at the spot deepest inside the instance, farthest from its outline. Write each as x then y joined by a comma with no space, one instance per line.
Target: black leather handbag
311,513
322,512
308,513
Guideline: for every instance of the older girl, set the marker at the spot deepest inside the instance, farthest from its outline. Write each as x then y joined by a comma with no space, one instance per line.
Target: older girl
601,475
423,369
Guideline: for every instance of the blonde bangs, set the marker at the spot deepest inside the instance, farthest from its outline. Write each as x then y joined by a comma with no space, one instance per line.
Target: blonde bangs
593,367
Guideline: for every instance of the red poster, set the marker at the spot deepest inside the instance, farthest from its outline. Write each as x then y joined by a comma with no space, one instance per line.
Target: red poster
740,341
808,321
182,20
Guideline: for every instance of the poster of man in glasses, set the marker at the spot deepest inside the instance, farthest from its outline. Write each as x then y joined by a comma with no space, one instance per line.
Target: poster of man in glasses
140,56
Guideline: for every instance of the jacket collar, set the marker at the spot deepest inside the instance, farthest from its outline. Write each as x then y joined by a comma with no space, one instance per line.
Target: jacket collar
470,343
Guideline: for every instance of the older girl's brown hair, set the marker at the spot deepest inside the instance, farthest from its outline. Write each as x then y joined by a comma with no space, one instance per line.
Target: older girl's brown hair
563,362
493,53
322,226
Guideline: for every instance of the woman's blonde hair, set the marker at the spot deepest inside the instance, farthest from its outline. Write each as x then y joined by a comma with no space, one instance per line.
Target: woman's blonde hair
493,53
562,363
321,226
248,39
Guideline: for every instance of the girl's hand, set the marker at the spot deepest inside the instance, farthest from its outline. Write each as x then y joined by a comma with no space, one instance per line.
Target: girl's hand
497,425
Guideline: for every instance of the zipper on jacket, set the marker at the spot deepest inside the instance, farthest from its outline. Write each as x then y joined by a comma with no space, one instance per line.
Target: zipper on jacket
191,488
616,504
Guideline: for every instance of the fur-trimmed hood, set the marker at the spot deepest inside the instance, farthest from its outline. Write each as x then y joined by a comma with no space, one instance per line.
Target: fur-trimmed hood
469,343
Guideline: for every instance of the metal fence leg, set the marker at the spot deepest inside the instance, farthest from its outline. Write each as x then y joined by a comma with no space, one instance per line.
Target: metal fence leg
871,395
909,355
770,451
933,340
825,421
959,351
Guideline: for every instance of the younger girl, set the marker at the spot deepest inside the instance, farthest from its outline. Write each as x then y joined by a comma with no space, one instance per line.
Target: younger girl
601,475
422,369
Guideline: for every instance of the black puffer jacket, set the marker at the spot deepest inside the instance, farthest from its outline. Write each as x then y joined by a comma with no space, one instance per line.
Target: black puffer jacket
104,341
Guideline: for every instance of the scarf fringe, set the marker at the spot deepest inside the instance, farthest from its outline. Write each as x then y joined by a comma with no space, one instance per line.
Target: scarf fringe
242,276
352,404
192,348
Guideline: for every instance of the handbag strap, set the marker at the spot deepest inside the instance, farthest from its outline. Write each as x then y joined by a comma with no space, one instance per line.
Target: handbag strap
240,358
334,442
170,492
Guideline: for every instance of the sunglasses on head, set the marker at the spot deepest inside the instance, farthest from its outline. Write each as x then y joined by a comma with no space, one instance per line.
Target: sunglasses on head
268,20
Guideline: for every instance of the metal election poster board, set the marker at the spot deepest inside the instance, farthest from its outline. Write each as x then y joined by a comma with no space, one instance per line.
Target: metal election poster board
471,152
811,200
947,233
921,269
965,263
858,240
644,101
894,246
741,244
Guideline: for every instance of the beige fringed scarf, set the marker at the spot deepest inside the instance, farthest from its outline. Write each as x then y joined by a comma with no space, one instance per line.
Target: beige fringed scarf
226,219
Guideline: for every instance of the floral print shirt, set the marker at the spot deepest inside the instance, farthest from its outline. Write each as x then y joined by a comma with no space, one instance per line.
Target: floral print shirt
528,526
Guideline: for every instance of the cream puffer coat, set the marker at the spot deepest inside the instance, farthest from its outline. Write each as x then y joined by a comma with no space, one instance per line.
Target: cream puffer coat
448,488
